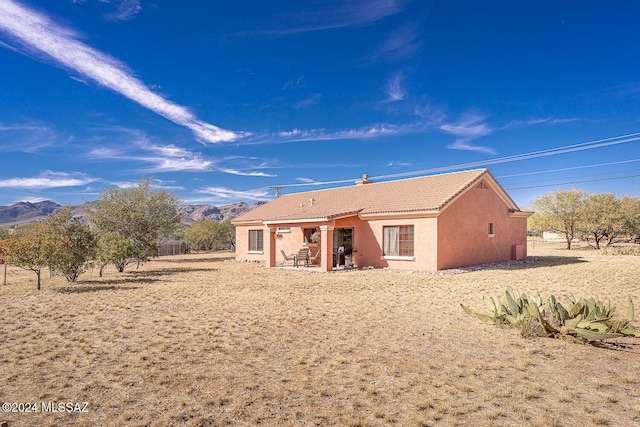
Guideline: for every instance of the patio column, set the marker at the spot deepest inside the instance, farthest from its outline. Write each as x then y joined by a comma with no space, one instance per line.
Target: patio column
326,246
269,246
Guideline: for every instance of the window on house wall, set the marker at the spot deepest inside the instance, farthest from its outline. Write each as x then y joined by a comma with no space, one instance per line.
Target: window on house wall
490,229
308,232
256,240
398,240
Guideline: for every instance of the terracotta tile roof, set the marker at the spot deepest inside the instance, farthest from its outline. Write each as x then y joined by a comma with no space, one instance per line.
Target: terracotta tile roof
423,194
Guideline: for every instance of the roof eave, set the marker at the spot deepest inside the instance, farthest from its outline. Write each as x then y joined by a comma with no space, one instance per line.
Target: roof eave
520,214
432,213
294,221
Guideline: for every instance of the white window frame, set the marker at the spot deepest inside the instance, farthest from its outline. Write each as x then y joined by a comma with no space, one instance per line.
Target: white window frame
256,241
391,249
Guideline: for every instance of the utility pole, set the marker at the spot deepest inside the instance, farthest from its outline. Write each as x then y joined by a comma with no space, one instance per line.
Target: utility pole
277,188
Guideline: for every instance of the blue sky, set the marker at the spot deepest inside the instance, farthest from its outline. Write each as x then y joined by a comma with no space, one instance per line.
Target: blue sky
218,101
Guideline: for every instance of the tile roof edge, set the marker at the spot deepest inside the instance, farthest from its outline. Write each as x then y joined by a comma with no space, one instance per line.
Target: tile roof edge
374,183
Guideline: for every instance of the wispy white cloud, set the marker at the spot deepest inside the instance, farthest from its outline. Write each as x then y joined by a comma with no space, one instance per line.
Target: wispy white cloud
306,180
26,137
400,44
308,135
194,164
224,194
48,180
395,88
471,126
537,121
398,164
331,14
139,149
312,99
246,173
37,35
431,114
126,10
164,158
294,84
158,184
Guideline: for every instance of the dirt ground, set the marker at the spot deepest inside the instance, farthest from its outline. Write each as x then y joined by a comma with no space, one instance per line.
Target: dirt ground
200,340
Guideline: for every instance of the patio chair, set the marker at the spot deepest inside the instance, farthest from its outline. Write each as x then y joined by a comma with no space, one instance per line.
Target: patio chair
315,257
286,257
303,256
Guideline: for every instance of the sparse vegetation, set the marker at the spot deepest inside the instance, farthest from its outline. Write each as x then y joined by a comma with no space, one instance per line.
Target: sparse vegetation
594,218
621,250
75,244
137,214
585,321
193,340
32,248
207,235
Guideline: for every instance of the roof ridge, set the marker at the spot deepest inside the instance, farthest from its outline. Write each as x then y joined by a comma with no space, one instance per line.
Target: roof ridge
370,183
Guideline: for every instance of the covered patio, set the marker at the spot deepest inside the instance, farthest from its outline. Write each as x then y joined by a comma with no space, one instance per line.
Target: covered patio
314,246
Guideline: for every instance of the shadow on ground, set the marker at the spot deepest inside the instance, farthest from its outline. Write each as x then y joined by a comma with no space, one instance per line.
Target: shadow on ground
198,260
549,261
166,271
82,289
528,263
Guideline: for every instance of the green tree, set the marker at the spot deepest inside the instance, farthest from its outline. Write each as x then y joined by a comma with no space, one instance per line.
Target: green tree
560,212
24,229
77,244
138,213
32,248
227,234
601,217
4,233
200,235
112,248
207,234
630,210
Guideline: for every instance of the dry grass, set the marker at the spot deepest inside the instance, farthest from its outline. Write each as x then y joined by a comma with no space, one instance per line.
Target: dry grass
197,341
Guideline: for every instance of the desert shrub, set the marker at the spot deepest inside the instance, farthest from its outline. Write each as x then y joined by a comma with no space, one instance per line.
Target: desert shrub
582,320
621,250
76,244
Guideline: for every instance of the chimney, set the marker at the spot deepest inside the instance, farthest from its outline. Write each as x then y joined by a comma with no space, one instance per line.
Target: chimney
365,179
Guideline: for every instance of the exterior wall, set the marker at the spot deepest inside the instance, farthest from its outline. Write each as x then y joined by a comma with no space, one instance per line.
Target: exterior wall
463,237
242,243
425,232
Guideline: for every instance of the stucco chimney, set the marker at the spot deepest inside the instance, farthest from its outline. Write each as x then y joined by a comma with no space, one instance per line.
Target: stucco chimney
365,179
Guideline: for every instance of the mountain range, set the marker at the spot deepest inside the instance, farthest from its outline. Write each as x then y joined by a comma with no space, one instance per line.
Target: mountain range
27,213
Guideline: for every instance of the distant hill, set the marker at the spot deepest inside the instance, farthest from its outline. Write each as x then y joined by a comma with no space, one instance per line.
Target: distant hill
29,213
26,213
191,213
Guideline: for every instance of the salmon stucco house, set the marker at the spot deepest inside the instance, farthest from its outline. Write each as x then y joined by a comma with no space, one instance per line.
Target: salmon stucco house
427,223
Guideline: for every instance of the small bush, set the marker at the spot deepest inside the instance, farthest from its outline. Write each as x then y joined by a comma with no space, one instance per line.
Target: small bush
621,250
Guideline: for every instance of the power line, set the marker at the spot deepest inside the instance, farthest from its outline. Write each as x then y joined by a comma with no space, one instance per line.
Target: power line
599,143
526,156
568,169
573,182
